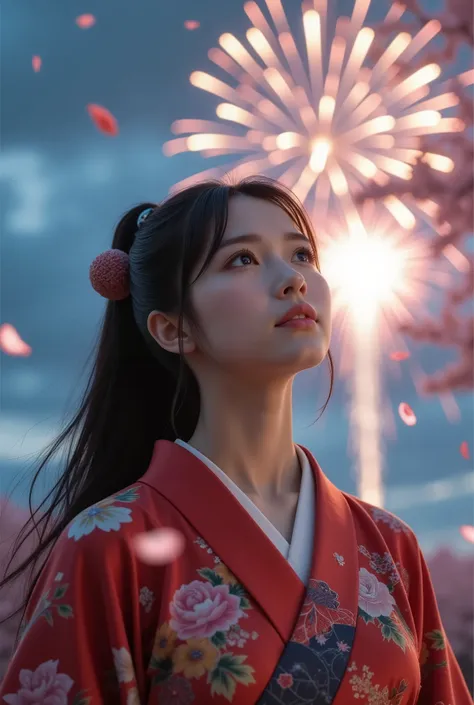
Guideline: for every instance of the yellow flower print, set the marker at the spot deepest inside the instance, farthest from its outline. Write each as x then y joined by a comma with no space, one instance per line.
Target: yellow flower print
195,657
228,577
165,640
373,693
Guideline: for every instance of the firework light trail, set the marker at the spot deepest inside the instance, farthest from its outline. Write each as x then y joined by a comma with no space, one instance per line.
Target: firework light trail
378,274
324,121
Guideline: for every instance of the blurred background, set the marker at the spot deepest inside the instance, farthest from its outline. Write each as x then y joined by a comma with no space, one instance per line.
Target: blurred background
365,110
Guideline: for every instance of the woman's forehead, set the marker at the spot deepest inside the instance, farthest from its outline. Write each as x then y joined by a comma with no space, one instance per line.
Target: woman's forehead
255,215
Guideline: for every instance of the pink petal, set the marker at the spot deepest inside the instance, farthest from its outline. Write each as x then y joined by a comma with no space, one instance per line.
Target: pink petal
192,24
464,450
467,532
407,414
399,355
11,342
103,119
36,63
85,21
160,546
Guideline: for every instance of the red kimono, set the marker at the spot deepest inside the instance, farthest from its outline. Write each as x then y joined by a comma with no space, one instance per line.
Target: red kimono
230,621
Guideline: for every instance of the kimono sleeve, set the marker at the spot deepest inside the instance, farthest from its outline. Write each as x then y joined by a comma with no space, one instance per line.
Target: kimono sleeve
82,621
442,682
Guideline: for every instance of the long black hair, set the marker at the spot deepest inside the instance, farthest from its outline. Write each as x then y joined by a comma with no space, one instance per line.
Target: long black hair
137,392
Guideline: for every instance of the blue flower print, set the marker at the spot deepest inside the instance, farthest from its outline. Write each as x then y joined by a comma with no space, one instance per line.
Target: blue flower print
104,515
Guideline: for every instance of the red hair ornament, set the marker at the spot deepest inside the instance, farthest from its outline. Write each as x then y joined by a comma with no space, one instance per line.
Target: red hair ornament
109,273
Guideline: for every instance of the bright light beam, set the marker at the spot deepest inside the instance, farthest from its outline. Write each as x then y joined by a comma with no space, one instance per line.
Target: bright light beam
377,274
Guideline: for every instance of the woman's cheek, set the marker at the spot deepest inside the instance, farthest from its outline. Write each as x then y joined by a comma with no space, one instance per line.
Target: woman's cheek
231,305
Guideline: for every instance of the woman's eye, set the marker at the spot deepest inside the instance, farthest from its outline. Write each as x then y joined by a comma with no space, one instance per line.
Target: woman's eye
244,254
307,251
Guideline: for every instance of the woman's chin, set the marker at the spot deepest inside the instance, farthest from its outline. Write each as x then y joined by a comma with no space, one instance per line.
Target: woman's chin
303,359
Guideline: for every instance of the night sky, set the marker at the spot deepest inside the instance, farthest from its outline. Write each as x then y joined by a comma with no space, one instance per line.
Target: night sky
64,186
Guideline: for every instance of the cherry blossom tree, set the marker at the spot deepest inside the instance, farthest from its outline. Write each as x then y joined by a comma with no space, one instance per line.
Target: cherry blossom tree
451,192
12,518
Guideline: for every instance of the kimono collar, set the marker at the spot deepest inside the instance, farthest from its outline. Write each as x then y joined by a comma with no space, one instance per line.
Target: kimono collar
219,518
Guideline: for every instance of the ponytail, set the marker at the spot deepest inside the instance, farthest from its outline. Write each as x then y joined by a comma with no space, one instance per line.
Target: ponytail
129,402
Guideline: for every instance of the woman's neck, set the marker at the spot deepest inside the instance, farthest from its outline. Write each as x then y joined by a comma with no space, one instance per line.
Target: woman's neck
248,433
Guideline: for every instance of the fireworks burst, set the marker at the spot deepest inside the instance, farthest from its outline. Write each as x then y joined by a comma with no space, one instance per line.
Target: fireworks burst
378,275
327,122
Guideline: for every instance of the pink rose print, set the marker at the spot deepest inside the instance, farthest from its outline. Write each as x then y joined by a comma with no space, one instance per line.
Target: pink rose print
374,597
200,609
45,686
285,680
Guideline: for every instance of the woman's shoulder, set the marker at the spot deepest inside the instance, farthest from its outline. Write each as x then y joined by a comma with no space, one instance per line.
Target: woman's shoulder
94,557
104,531
97,545
386,519
394,531
125,512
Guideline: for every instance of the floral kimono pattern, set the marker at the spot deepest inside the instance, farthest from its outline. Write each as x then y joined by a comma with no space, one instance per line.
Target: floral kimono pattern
230,621
200,638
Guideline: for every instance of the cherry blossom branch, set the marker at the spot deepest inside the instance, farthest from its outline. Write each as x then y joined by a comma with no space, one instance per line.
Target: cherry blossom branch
451,192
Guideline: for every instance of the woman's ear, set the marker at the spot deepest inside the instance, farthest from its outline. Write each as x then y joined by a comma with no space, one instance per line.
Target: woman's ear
164,329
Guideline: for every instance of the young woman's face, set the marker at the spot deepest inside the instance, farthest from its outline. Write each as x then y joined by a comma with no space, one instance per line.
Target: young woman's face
243,294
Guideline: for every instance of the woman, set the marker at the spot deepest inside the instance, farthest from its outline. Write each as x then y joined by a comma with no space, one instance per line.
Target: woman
286,590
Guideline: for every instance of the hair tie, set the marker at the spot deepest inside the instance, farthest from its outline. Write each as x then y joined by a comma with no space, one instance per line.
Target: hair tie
143,216
109,272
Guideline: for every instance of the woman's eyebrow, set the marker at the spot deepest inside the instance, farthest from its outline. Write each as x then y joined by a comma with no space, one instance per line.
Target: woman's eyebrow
253,237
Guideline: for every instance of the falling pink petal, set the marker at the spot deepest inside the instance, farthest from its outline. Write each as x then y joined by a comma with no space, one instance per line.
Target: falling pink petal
399,356
467,532
85,21
407,414
11,342
192,24
464,450
36,63
159,546
103,119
